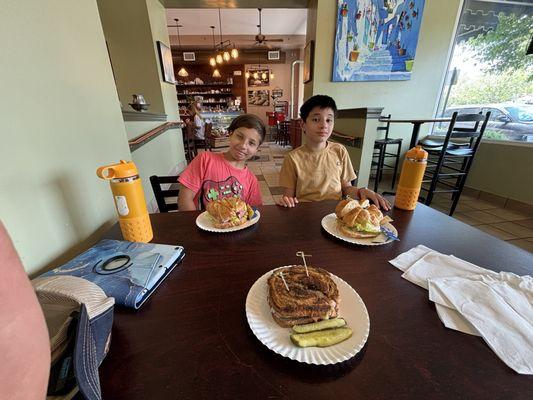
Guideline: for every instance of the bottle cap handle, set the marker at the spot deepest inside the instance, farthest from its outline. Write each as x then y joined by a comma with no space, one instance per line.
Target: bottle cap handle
106,172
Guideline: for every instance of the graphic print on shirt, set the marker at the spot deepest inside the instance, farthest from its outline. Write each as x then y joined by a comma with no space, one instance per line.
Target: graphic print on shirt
213,190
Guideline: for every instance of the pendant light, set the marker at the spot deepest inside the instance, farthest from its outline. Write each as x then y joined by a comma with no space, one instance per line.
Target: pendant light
182,72
216,73
272,76
212,60
247,75
234,53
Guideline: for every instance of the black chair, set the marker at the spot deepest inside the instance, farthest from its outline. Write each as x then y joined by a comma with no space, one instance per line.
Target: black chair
162,194
380,154
449,162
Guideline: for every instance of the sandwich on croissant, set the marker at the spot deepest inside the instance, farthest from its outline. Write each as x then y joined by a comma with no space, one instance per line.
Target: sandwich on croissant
358,219
308,298
229,212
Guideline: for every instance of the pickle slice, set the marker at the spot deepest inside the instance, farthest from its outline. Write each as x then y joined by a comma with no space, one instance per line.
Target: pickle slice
318,326
324,338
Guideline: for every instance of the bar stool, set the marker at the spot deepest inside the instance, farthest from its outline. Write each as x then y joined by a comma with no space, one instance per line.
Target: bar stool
272,123
188,142
380,153
282,137
449,164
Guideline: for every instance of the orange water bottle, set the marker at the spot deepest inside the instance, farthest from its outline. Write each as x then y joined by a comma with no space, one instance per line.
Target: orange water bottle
129,200
411,177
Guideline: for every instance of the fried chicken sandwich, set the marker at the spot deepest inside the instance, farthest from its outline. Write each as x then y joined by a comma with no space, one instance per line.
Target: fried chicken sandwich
229,212
358,219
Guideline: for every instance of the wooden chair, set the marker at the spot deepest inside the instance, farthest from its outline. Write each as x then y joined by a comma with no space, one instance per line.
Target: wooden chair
188,142
161,195
204,143
449,163
282,136
381,154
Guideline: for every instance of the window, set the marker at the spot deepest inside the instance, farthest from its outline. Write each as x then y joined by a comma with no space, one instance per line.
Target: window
490,70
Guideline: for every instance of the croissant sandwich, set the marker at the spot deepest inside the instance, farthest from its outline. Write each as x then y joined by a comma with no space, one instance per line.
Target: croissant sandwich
308,298
358,219
229,212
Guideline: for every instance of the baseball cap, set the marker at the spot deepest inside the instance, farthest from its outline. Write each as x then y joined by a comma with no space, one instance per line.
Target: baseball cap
79,316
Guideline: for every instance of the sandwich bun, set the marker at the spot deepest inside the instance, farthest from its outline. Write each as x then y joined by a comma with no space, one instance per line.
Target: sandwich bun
228,212
358,221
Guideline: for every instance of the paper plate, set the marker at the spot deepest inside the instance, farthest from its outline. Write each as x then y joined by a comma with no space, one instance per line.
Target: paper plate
203,221
276,338
329,223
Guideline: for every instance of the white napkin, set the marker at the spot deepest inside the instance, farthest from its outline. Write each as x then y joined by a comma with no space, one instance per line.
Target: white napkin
499,307
477,301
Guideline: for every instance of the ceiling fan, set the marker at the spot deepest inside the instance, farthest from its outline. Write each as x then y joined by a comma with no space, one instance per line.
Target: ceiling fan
260,39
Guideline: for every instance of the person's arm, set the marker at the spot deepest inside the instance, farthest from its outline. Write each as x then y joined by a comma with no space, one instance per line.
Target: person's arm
365,193
288,199
186,199
24,342
288,179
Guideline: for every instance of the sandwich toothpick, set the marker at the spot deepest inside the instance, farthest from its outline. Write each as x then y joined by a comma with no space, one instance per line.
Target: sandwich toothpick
303,255
283,278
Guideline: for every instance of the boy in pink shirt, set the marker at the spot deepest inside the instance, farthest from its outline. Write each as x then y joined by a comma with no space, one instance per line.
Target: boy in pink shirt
212,176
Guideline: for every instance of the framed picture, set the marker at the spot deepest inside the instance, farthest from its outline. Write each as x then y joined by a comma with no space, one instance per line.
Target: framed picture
165,59
308,61
259,77
376,41
259,97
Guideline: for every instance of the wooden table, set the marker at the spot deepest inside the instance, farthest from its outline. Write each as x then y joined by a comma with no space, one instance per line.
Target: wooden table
416,126
191,340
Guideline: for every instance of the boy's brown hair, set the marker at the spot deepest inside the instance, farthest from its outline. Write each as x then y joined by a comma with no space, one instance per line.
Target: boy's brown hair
249,121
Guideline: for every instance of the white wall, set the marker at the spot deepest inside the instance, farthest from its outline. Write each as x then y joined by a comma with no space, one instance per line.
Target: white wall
61,119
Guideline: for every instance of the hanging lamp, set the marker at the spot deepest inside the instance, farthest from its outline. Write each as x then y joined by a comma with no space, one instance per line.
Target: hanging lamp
216,73
182,72
212,60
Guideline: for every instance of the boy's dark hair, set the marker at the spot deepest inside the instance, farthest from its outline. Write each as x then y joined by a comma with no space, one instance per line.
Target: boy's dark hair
319,100
249,121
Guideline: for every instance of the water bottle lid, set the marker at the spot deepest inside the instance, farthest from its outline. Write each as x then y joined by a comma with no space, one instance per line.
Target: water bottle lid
417,153
123,169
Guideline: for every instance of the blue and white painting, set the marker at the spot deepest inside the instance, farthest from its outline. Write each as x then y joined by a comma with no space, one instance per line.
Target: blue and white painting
376,40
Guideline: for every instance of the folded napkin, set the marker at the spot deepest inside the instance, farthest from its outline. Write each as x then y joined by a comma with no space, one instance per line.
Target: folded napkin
474,300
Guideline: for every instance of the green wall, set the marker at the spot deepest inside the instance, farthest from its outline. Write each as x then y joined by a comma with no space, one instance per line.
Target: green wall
133,51
61,119
505,170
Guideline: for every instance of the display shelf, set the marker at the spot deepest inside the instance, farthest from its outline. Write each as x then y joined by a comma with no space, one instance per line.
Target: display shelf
205,94
203,84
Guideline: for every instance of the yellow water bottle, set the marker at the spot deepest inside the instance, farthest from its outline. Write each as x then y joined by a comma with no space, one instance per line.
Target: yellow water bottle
129,200
411,177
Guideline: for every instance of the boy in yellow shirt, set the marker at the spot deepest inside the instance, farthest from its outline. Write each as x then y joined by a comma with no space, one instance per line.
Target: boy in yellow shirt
320,169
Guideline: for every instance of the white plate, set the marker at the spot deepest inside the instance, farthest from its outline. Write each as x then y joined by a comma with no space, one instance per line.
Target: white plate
204,221
277,339
329,223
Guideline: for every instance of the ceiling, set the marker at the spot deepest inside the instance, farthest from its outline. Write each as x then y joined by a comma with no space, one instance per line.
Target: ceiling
239,21
239,25
235,3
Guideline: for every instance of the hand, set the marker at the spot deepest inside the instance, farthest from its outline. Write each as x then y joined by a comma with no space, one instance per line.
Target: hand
375,198
287,201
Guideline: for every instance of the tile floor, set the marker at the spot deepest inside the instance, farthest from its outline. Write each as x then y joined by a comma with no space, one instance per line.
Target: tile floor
488,214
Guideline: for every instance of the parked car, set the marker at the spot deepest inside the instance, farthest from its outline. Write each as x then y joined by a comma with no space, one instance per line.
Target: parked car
508,121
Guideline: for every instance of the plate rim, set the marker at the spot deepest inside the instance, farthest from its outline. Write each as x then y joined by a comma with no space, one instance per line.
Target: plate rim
338,281
361,241
247,224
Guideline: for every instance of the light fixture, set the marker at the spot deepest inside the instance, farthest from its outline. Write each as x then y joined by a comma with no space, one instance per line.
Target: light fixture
226,56
247,75
271,75
263,75
216,74
222,49
219,59
234,53
255,75
182,72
